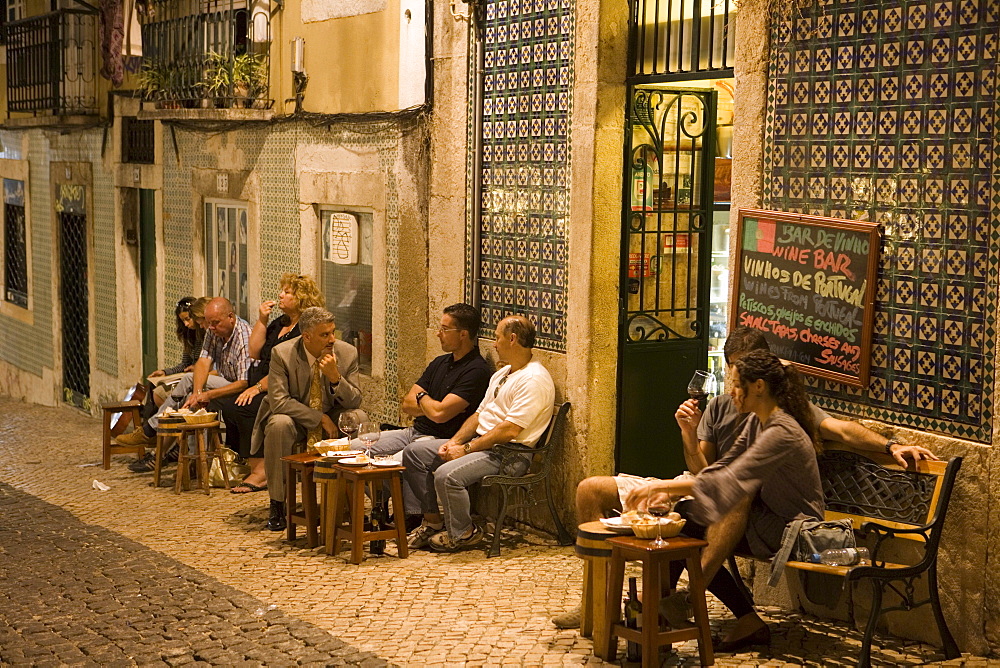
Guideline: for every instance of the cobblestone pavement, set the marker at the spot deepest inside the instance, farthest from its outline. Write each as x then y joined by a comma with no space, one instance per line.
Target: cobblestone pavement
135,575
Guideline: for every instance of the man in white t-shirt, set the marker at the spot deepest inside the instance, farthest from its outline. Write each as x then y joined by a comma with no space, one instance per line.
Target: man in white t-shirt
517,408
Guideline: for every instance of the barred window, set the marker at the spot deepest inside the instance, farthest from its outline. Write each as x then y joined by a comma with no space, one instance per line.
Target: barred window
346,274
15,244
226,252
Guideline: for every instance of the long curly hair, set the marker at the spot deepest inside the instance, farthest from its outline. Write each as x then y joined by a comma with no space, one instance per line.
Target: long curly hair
785,385
305,290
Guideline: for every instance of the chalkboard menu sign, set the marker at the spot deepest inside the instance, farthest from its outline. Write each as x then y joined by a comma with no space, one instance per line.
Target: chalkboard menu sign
808,283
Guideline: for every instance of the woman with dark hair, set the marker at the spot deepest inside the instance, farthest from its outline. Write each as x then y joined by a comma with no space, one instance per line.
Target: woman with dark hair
191,334
297,294
772,466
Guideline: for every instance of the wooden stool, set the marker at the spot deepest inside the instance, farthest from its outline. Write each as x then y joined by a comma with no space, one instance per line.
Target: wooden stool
630,548
166,432
300,467
591,546
346,491
214,451
112,448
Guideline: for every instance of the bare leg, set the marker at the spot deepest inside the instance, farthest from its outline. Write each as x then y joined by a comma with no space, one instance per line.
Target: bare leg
595,496
258,474
722,538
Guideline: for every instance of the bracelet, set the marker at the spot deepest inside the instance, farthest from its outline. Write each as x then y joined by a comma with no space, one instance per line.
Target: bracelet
259,388
888,445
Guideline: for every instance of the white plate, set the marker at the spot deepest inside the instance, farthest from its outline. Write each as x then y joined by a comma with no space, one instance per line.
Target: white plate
387,463
353,461
616,524
343,454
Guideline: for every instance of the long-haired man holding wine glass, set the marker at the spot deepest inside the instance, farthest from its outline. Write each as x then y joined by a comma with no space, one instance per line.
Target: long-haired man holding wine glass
707,435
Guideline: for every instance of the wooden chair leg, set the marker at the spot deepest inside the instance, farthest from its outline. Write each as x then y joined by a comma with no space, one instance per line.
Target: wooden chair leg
289,501
399,517
612,610
587,600
202,461
357,521
309,508
650,613
599,582
180,476
696,588
106,440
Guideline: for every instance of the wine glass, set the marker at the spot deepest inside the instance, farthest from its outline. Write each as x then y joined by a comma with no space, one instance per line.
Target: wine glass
348,423
702,386
658,505
369,433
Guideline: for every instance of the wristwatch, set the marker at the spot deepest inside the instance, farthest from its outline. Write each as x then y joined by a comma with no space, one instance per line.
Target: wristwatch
468,447
888,445
420,395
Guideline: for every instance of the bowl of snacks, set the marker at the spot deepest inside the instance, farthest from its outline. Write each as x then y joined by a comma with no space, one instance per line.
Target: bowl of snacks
647,526
201,416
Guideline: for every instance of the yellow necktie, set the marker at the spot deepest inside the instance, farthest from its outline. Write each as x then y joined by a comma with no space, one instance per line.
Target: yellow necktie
315,403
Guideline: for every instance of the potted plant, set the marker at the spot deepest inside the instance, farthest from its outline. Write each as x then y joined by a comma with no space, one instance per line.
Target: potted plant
249,78
151,82
218,79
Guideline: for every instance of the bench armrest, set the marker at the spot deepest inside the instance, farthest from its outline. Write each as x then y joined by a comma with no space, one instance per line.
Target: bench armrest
514,449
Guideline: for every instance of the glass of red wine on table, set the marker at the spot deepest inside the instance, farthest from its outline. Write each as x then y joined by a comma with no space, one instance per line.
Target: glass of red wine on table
658,505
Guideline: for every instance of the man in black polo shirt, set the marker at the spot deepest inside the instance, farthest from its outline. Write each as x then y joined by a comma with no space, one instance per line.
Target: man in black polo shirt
450,389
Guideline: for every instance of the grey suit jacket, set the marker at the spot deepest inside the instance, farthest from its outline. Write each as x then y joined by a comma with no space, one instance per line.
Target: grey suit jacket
288,381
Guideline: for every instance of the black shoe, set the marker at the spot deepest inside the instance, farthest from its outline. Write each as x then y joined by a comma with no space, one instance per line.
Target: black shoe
171,456
276,522
144,464
761,636
412,522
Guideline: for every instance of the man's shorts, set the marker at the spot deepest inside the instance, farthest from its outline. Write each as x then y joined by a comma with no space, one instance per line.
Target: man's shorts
626,483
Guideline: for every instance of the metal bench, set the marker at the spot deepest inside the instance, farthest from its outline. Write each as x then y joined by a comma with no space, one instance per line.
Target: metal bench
536,475
885,501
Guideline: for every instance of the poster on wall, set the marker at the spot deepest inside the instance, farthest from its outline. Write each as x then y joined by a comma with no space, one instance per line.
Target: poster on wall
808,283
340,237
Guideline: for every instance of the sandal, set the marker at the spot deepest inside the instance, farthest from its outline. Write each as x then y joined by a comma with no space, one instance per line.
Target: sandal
249,487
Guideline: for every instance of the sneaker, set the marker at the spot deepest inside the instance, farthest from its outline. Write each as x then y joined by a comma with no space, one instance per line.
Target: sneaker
144,464
443,542
137,437
568,620
421,536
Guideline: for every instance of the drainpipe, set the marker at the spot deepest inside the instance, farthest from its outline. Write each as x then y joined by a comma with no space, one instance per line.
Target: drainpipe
477,167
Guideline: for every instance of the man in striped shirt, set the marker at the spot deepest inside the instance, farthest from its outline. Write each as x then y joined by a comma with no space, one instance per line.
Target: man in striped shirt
225,349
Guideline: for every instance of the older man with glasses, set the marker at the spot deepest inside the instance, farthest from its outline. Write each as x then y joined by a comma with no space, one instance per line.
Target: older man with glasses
225,350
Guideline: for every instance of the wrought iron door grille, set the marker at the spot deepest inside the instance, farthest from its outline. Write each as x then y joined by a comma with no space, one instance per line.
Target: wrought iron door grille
138,140
15,255
74,298
51,63
681,36
667,215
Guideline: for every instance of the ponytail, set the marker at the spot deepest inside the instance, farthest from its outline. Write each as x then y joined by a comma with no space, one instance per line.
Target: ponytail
785,385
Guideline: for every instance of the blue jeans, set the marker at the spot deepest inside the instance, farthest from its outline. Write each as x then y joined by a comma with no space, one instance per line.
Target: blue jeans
431,479
391,444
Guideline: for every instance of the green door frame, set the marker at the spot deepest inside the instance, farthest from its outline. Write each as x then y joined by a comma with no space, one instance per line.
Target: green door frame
147,278
667,216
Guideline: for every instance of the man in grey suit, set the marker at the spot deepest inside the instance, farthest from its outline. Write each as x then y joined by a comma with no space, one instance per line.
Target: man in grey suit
296,412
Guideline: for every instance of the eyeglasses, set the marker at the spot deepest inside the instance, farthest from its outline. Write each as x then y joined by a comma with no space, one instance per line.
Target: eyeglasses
449,329
500,384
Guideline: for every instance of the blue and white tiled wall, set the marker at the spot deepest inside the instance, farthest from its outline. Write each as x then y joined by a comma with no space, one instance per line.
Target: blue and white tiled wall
886,111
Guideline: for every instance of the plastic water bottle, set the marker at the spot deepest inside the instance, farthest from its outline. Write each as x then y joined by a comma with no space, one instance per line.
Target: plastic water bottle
846,556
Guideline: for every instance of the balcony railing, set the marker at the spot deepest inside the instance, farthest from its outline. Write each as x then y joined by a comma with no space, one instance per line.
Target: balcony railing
52,63
206,54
